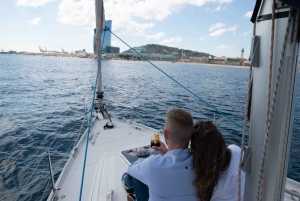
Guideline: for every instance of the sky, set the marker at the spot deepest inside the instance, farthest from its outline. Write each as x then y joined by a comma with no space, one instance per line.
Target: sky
217,27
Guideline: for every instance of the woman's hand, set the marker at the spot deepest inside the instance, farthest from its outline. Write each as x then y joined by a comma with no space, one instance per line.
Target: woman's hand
162,148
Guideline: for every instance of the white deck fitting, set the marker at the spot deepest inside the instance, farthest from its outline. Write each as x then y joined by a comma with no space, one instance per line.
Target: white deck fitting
105,164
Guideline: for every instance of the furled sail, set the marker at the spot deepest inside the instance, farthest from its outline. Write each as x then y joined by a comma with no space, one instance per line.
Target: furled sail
100,24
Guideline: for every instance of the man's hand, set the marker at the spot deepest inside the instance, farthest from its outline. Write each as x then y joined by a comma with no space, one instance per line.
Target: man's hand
162,148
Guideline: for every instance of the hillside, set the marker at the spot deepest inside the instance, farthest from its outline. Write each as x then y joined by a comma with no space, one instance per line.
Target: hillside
161,49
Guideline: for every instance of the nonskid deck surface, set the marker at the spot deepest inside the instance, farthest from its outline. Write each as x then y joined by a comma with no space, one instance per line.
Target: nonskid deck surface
105,164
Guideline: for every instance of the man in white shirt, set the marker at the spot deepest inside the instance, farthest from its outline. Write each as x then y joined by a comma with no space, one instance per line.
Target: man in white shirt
169,176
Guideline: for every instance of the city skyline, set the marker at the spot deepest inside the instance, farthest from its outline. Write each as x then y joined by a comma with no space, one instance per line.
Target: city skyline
219,27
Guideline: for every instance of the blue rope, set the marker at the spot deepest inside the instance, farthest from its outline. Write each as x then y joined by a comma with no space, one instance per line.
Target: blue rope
90,121
216,110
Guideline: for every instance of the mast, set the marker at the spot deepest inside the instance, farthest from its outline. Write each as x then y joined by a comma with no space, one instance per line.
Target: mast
100,23
283,112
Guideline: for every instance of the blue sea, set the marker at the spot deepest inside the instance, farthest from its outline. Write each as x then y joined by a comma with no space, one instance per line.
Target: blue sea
41,107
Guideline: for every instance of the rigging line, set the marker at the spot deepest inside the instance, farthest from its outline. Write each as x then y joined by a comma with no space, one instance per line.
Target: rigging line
90,120
45,190
30,177
244,134
259,196
211,106
37,165
63,124
269,120
77,136
245,124
287,111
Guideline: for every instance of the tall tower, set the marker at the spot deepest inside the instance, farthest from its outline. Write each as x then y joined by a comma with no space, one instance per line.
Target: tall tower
107,39
242,53
242,56
94,42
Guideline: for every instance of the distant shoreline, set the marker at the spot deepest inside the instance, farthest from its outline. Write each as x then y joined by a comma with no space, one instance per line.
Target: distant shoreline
93,56
205,64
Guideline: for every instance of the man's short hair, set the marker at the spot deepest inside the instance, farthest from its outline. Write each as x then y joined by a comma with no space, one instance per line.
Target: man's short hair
180,125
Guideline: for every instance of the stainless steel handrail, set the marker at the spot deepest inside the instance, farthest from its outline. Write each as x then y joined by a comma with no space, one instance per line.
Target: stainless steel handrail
121,104
293,193
110,86
83,99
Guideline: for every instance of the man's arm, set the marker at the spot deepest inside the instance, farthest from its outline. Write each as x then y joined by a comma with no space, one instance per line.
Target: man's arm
141,170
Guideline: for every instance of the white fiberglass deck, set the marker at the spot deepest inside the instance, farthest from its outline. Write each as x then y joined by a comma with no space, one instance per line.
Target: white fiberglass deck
105,164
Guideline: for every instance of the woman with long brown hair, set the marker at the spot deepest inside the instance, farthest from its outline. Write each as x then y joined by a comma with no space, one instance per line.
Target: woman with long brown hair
215,165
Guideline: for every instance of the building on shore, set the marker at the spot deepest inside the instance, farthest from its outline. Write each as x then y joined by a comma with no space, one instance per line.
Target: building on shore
111,49
80,51
107,48
107,38
199,59
226,60
156,57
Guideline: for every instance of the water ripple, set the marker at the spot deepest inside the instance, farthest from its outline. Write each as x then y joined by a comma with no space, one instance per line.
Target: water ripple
41,103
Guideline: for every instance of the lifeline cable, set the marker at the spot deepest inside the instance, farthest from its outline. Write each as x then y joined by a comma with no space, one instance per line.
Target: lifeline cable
244,126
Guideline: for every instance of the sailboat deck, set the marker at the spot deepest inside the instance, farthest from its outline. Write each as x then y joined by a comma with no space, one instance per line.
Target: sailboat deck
105,164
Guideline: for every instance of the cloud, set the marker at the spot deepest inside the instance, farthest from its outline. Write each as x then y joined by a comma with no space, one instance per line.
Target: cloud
221,31
172,41
76,12
218,8
224,47
33,3
124,13
216,26
202,38
247,32
90,32
156,36
248,14
35,21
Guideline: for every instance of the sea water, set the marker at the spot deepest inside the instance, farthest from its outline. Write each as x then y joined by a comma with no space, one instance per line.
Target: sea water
41,107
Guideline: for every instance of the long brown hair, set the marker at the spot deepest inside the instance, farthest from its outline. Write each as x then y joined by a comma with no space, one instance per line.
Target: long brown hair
211,157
